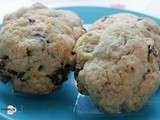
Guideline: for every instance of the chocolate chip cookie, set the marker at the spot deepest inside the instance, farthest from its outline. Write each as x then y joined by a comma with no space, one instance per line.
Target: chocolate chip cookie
117,62
36,48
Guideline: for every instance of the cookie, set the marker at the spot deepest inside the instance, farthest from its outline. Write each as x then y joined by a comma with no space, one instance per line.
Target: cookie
147,27
36,49
65,16
121,71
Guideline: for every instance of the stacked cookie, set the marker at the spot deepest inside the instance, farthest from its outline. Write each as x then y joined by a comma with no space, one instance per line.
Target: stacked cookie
36,48
117,59
117,62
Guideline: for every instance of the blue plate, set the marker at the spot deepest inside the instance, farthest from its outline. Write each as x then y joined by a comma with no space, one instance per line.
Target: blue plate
60,105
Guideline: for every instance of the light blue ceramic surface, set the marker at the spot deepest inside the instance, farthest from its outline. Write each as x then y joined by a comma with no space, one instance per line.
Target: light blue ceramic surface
59,105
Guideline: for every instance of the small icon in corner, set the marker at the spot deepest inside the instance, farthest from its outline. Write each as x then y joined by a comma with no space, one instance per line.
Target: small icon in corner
11,110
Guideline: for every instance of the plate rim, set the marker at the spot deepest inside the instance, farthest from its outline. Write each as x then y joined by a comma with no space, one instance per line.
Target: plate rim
113,9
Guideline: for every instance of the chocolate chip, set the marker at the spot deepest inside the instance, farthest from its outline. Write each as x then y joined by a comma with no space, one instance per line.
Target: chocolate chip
48,41
29,52
31,20
104,18
29,68
67,66
123,108
149,49
22,80
132,68
20,75
144,76
40,67
155,53
84,29
5,57
148,29
5,78
43,49
148,70
56,80
107,83
39,35
98,92
2,63
12,72
42,40
139,19
152,50
73,53
58,77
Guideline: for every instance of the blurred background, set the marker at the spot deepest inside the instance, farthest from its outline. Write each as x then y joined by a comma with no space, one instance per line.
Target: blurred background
149,7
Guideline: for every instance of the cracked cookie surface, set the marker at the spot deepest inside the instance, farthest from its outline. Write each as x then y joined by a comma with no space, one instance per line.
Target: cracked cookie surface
121,71
64,16
36,48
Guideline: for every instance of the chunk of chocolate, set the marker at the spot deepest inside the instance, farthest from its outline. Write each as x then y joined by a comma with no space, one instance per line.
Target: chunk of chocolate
124,108
152,50
29,52
39,35
40,67
48,41
59,76
139,19
104,18
31,21
12,72
148,29
73,53
20,75
5,78
5,57
2,63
